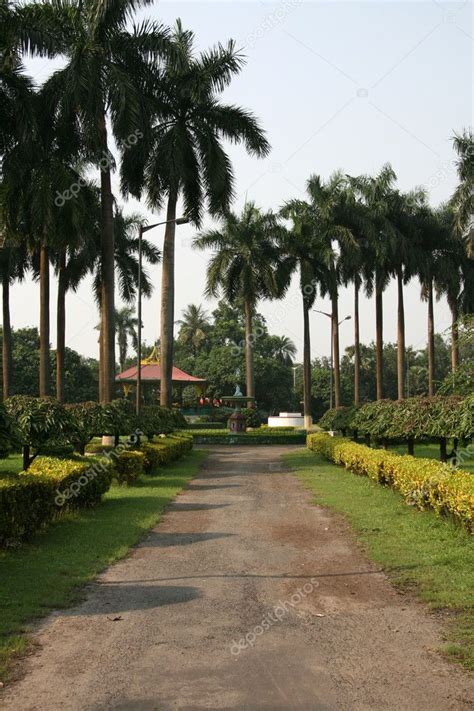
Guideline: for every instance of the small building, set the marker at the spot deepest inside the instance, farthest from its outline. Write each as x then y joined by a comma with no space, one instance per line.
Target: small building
151,378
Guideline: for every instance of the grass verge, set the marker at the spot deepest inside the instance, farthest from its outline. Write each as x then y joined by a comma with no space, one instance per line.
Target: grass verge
48,572
432,556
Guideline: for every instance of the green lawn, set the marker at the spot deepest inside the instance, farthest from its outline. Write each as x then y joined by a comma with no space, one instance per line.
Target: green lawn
49,571
431,451
417,549
13,463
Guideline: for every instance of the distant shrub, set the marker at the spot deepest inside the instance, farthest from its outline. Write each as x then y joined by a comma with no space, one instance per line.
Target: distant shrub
253,417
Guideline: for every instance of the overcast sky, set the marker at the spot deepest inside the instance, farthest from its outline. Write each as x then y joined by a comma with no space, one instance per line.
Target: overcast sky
349,85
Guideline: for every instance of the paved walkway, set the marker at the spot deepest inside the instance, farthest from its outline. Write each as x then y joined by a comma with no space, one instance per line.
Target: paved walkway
245,596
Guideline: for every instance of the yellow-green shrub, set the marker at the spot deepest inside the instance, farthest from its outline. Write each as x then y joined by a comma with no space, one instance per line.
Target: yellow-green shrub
26,505
164,450
78,481
424,483
31,500
129,465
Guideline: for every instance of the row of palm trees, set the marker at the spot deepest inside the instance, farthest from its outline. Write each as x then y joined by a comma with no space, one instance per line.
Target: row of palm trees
143,85
351,230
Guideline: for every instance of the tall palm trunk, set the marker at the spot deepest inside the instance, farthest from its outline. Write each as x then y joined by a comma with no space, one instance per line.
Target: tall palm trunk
431,348
335,349
107,295
400,338
7,357
61,327
356,344
379,337
249,365
101,360
308,420
167,305
44,380
453,305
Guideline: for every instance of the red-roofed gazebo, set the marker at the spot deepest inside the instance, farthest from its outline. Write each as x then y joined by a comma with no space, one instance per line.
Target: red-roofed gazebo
150,372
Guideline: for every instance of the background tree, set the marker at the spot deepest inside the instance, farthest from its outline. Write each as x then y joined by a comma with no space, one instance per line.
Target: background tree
125,327
14,263
185,157
108,76
305,252
244,266
463,198
194,327
375,192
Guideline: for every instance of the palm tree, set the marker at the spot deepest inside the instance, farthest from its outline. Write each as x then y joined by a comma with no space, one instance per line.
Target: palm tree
108,75
38,169
375,193
435,233
125,327
449,282
406,252
184,155
244,266
86,259
14,263
463,198
333,211
304,251
284,349
194,327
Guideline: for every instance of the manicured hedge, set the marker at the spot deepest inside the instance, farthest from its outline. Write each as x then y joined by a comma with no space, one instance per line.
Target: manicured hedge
81,481
264,436
204,426
164,450
129,466
424,483
29,501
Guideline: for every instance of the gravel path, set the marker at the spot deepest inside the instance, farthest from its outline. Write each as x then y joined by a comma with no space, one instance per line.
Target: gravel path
245,596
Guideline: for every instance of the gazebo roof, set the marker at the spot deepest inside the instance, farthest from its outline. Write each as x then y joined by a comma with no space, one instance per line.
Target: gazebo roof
151,372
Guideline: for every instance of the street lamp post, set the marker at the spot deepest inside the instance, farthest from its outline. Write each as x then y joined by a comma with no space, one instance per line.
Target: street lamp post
331,364
141,232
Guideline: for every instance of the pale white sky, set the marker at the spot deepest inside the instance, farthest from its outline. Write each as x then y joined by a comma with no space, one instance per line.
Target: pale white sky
347,85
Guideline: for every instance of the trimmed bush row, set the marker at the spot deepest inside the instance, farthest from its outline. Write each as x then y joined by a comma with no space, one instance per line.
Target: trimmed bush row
413,418
30,500
254,437
423,483
165,450
205,426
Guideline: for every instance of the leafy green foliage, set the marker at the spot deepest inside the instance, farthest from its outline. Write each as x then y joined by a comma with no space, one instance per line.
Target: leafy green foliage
253,417
38,420
86,423
413,418
8,434
338,418
117,418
